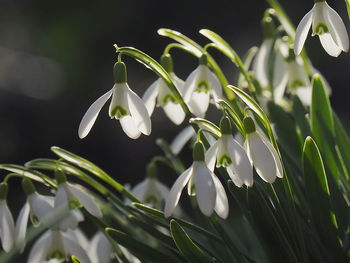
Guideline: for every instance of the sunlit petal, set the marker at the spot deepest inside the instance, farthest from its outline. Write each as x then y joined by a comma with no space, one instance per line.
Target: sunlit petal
260,65
181,139
129,127
73,248
210,155
150,96
302,31
199,103
40,249
221,203
329,45
7,227
174,112
190,84
21,226
90,116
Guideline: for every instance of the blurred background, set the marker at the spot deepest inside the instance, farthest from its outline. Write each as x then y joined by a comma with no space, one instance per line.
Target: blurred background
56,58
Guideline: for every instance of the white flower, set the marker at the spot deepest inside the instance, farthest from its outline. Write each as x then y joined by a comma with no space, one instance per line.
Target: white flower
159,91
328,25
201,182
199,85
7,227
181,139
73,196
55,244
261,153
227,152
151,192
126,106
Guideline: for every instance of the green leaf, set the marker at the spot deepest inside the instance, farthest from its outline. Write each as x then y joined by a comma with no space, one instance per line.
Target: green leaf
184,243
227,50
138,248
318,196
76,260
198,51
92,168
257,109
53,165
233,114
348,7
156,68
283,17
207,126
300,113
29,173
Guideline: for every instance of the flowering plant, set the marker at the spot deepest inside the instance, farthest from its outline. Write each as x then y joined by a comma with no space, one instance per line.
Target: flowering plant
269,180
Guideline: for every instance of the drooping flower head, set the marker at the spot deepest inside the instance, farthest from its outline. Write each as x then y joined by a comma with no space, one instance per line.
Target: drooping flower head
7,225
159,93
200,85
126,106
202,183
261,153
228,153
327,24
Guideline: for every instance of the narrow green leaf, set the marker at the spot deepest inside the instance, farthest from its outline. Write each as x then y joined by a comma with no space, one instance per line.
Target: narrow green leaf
207,126
227,50
348,7
138,248
152,64
184,243
198,51
257,109
343,142
233,114
29,173
92,168
318,195
300,115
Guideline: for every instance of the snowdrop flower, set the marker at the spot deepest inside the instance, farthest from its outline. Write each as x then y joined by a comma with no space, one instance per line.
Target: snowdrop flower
55,244
261,153
262,58
160,92
327,24
74,196
150,191
126,106
228,153
201,182
7,225
199,86
181,139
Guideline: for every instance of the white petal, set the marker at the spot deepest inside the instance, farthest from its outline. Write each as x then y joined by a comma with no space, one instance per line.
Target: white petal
139,190
241,164
262,158
179,83
100,249
260,65
279,167
329,45
181,139
221,203
280,77
150,96
210,155
336,28
175,192
129,127
163,190
61,198
40,249
139,113
80,237
74,249
302,31
86,199
40,205
205,188
7,227
90,116
190,84
174,112
21,226
199,103
304,94
215,86
235,179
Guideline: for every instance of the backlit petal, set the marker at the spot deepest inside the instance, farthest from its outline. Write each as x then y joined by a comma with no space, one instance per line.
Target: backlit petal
86,199
279,167
74,249
181,139
210,155
329,45
190,84
150,96
215,86
174,112
205,188
302,31
7,227
21,226
139,113
260,65
175,192
221,203
129,127
199,103
90,116
40,249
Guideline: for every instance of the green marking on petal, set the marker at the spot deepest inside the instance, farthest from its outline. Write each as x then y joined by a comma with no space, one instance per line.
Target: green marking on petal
35,220
56,254
192,191
168,98
224,161
74,203
118,112
297,83
202,87
320,29
151,199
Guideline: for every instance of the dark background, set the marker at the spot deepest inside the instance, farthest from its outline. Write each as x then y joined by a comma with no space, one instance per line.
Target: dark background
56,58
